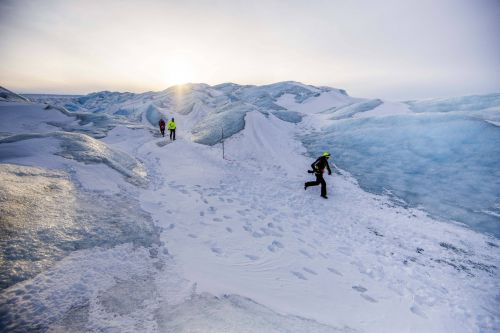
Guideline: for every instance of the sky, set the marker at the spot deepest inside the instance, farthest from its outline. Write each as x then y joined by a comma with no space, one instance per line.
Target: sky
392,49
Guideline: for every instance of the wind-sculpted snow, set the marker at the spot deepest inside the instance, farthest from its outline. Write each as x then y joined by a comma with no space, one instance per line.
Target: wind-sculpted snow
447,164
289,116
153,115
83,148
45,216
96,125
66,101
350,110
266,96
465,103
230,119
9,96
209,314
194,101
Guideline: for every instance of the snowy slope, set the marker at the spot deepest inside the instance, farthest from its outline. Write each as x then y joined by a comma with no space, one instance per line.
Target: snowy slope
131,232
9,96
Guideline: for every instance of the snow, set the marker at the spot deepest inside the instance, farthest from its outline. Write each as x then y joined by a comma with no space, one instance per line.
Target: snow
387,108
79,147
9,96
464,103
323,101
353,110
445,162
496,123
30,118
131,232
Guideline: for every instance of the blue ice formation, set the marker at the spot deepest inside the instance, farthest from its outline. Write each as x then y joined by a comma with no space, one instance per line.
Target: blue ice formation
445,162
289,116
83,148
230,120
230,117
33,240
464,103
350,110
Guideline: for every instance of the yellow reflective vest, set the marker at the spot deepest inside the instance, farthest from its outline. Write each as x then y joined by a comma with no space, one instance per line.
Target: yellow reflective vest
171,125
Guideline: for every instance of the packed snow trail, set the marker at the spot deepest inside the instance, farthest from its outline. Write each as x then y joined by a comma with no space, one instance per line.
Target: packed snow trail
245,226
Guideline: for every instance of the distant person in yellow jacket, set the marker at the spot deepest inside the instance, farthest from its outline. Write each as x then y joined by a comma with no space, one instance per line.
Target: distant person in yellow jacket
171,127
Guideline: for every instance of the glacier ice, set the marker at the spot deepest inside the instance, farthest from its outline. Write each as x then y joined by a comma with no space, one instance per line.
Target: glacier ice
9,96
350,110
445,163
289,116
45,216
439,154
230,119
84,148
114,274
208,313
463,103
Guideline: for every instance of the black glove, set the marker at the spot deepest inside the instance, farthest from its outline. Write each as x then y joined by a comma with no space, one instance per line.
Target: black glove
329,173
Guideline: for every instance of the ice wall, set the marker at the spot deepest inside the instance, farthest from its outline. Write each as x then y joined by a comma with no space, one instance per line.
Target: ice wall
445,162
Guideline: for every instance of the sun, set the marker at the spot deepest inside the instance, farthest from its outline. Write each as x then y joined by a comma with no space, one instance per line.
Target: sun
179,71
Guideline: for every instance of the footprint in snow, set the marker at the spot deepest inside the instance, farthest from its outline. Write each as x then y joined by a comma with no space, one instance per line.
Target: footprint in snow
334,271
324,256
251,257
192,236
417,310
305,253
361,289
202,213
299,275
216,250
227,217
229,229
368,298
310,271
216,219
275,246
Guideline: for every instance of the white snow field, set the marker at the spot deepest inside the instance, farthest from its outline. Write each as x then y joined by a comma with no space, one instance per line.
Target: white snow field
108,227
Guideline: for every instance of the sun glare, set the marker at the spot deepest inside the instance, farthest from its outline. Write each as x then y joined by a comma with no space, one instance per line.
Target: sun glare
179,71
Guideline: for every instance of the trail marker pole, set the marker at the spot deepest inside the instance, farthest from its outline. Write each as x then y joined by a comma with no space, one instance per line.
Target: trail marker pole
222,141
